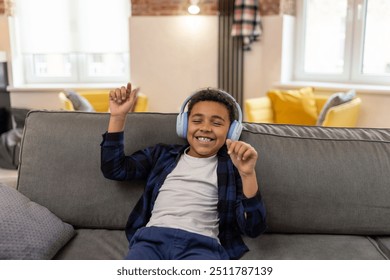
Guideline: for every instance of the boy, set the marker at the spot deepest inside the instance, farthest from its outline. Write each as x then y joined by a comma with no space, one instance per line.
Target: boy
199,198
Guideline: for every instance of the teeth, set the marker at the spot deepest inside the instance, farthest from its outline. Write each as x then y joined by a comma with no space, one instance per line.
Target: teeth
204,139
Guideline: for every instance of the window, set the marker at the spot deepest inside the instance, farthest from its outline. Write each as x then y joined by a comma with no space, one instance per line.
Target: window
73,41
343,41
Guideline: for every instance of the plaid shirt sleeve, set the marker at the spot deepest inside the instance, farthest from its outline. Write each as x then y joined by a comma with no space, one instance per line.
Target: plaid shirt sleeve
116,166
251,213
254,218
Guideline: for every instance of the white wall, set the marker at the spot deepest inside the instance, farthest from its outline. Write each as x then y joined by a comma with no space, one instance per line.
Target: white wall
263,70
171,56
4,34
262,64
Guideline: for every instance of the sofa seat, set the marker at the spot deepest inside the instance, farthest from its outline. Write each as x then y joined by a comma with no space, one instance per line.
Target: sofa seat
95,244
313,247
384,244
92,244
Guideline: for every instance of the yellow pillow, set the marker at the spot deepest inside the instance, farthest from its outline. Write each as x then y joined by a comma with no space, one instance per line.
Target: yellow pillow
294,106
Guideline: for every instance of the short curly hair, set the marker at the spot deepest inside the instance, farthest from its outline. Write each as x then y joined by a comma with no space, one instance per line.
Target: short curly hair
216,95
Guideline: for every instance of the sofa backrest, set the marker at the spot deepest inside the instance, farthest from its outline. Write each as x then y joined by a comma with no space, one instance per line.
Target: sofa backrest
60,164
313,179
322,179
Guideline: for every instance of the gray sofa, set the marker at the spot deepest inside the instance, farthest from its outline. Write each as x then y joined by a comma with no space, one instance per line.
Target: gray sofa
326,190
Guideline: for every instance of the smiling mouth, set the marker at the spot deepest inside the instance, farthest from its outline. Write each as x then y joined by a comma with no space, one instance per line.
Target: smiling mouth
204,139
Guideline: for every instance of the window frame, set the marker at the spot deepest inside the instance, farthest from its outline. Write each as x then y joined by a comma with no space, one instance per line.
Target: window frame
353,49
25,73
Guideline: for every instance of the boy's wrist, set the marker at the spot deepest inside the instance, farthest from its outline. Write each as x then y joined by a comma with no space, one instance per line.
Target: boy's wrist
248,175
119,117
249,184
116,123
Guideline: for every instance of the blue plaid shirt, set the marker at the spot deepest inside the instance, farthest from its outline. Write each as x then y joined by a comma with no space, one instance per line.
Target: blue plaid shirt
237,214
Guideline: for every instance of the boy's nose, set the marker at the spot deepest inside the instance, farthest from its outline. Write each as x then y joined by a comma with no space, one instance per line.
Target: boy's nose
206,127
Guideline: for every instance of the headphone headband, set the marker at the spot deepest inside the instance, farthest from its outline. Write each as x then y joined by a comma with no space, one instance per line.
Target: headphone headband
238,108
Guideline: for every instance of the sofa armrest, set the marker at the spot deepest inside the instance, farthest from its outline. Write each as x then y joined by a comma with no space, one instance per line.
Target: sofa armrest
344,115
259,110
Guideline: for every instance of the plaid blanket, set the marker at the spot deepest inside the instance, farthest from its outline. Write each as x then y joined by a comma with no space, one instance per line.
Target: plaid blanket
246,21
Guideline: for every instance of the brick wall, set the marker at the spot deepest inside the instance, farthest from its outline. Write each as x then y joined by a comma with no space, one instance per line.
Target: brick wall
6,7
2,7
171,7
179,7
276,7
208,7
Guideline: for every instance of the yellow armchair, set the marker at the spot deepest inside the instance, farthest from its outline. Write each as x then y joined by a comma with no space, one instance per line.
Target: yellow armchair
345,115
99,100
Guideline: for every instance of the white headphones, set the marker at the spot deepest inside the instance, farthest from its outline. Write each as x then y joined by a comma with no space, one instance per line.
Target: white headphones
182,119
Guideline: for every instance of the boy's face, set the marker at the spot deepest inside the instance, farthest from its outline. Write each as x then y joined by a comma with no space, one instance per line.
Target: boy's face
208,125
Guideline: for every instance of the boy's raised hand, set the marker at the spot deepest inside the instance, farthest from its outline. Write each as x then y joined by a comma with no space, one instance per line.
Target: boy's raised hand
122,100
243,156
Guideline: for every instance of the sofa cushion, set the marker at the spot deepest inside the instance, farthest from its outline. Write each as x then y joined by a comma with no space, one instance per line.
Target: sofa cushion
64,147
335,100
28,230
294,106
384,244
80,103
323,179
95,244
312,247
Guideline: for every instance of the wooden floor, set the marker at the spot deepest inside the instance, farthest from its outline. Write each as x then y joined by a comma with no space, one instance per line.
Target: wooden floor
8,177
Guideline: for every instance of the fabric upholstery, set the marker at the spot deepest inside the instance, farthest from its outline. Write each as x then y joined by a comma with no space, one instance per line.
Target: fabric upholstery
78,175
294,106
384,245
80,103
95,244
334,100
312,247
323,180
325,189
28,230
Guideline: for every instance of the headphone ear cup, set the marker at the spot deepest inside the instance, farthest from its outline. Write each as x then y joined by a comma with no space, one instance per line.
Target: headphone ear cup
235,131
182,125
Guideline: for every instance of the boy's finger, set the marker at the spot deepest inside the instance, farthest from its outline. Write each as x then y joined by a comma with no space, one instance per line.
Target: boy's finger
123,93
228,144
117,94
135,91
112,95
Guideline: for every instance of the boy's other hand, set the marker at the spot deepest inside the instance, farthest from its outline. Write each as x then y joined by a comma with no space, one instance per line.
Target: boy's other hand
122,100
243,156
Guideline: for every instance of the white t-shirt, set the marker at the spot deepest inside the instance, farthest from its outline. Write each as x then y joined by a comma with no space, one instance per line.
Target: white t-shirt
189,196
